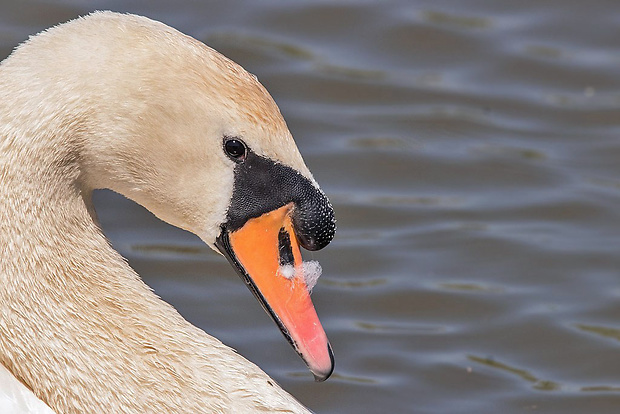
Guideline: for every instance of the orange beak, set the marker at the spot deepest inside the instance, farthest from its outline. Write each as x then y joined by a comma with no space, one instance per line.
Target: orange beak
257,250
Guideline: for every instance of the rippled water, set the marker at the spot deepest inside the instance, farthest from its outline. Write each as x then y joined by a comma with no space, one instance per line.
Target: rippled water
471,151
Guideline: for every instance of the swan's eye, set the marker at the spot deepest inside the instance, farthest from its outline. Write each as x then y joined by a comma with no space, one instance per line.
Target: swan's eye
235,149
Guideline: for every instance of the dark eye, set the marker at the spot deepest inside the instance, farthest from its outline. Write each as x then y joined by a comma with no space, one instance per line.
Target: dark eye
235,148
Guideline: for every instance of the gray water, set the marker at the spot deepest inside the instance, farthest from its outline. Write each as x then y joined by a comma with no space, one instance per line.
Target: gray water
472,153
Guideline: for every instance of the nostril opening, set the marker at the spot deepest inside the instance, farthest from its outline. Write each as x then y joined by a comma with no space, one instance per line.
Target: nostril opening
285,249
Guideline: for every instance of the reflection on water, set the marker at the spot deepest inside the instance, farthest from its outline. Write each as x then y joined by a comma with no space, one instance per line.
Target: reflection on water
456,20
471,152
157,250
541,385
601,330
471,287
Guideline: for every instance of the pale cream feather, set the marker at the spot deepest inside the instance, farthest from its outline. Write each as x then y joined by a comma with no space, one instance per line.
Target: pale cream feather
121,102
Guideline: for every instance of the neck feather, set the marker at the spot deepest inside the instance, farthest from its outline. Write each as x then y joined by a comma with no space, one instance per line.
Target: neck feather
77,324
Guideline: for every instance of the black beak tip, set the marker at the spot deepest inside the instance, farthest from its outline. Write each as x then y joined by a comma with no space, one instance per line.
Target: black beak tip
322,376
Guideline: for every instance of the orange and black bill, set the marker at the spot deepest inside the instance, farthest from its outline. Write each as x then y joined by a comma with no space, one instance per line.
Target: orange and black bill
257,250
273,211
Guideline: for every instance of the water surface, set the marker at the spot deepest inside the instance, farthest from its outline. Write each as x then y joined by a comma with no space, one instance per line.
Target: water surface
472,153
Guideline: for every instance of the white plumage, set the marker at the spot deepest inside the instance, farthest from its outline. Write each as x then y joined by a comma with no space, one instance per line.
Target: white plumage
126,103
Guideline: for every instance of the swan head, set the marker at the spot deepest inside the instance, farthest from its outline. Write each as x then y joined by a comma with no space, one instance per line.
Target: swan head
173,125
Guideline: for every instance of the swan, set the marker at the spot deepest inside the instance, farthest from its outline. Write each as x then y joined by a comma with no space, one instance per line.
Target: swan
126,103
